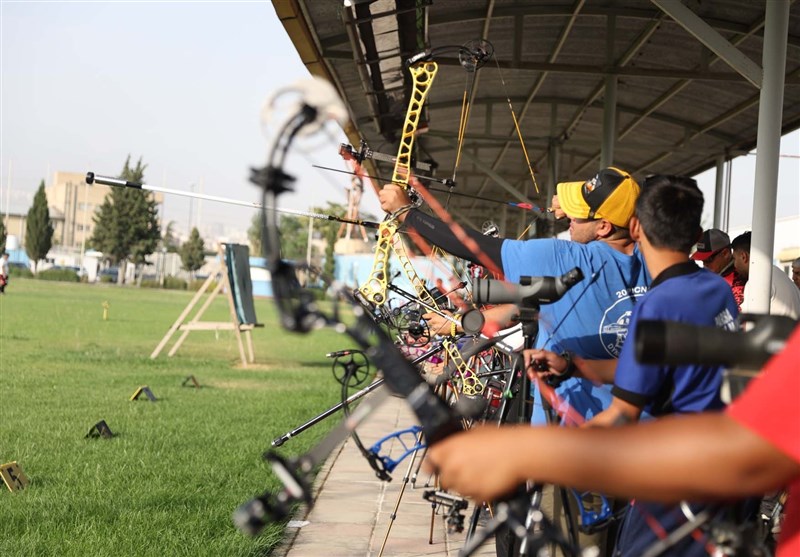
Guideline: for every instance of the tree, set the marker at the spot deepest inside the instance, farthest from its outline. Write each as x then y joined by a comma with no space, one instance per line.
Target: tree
192,252
169,239
294,237
254,235
126,224
3,235
330,233
38,228
329,230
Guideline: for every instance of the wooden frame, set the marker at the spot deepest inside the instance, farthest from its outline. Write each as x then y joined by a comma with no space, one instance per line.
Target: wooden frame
196,325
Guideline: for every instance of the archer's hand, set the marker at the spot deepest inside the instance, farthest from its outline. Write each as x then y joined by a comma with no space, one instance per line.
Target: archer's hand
558,213
544,363
438,325
481,463
392,198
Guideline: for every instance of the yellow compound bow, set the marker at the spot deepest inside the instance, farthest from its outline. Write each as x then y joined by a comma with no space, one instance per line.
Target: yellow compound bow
374,290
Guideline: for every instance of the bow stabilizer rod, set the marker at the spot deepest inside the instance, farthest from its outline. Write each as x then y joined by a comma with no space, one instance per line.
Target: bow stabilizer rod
91,178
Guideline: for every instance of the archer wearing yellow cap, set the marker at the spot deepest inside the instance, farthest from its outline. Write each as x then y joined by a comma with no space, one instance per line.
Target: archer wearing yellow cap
610,195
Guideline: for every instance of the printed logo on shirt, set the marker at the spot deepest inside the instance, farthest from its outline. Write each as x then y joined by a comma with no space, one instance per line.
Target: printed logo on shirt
614,325
725,320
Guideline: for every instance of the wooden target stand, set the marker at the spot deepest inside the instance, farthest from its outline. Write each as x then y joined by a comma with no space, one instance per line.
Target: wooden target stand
240,329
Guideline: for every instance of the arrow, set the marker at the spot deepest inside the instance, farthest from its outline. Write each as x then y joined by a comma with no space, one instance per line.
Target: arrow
445,181
118,183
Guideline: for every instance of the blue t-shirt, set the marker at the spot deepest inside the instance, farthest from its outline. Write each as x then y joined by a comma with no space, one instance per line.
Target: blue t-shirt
687,294
591,319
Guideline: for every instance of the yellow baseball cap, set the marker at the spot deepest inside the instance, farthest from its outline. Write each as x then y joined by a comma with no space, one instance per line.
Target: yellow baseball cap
610,195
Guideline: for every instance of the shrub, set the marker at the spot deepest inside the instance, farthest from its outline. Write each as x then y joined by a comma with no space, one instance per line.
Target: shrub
318,293
150,283
108,278
196,285
22,272
63,275
174,283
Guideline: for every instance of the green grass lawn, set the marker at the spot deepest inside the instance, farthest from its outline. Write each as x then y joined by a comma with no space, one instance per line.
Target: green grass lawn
168,481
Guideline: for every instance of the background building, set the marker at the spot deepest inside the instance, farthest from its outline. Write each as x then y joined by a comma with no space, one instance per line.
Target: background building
74,202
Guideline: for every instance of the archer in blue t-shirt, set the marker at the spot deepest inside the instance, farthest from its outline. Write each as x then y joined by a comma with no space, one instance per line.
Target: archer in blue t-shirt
591,319
666,225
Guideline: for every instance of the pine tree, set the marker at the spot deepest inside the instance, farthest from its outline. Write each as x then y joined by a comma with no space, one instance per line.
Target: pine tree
192,252
38,228
126,224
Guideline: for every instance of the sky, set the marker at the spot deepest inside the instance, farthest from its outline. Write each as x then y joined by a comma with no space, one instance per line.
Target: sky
743,186
182,85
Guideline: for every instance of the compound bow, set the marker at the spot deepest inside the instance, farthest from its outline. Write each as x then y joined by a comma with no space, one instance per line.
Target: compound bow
299,312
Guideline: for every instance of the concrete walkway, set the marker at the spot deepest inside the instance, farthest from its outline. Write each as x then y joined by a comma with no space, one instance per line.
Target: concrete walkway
352,512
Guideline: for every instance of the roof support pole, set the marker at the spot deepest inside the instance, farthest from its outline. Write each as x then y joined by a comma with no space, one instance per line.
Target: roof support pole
720,207
521,223
726,216
553,164
609,122
609,101
776,29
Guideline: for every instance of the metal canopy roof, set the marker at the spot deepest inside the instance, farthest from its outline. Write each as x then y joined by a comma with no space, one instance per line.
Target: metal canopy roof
685,78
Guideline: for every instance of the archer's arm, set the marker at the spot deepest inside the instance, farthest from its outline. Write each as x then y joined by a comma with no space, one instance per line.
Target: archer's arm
706,456
597,371
393,197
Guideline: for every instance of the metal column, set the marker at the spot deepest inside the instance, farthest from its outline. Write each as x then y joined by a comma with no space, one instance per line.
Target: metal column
610,102
776,28
719,194
553,165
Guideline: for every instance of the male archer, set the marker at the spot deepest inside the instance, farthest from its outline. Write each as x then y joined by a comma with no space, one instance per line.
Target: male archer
666,226
591,319
714,250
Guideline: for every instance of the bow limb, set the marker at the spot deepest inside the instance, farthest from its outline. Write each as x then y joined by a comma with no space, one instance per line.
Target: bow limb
374,290
410,439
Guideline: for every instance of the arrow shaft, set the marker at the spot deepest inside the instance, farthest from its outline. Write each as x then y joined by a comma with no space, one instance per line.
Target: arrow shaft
526,206
119,183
